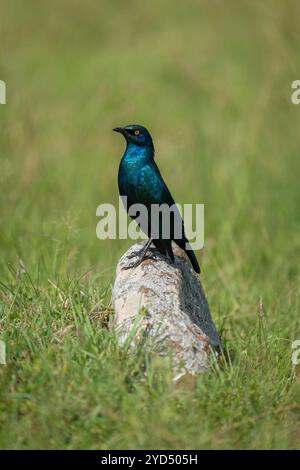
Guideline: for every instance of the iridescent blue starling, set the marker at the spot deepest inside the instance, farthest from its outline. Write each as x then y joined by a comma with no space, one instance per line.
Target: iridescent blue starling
140,181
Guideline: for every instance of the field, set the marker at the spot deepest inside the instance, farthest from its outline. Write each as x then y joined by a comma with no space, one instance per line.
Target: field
212,81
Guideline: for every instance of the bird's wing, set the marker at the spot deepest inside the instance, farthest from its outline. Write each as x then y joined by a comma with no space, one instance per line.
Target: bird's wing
151,188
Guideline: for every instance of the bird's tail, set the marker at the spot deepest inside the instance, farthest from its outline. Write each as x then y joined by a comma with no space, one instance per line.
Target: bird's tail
184,245
193,260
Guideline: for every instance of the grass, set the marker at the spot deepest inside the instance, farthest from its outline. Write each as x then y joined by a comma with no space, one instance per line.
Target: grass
211,80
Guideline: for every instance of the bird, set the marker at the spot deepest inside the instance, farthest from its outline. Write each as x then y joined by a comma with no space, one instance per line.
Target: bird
140,180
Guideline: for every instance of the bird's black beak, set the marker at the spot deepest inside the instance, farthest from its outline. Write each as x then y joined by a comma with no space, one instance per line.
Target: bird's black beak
119,129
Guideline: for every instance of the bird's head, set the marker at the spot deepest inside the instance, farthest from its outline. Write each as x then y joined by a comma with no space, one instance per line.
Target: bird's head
136,135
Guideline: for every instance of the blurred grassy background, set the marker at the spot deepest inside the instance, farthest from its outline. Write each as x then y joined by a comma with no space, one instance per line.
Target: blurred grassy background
212,81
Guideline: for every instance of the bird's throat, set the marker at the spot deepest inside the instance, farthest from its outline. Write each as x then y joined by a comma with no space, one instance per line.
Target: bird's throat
139,152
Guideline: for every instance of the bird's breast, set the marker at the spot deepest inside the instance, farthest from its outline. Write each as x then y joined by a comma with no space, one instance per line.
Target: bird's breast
128,176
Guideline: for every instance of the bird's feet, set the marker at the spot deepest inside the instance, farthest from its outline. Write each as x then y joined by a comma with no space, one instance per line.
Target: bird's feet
141,255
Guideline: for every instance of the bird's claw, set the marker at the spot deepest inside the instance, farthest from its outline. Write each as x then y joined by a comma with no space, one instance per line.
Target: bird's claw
133,265
134,254
141,257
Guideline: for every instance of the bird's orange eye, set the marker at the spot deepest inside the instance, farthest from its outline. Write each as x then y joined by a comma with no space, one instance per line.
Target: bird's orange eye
137,132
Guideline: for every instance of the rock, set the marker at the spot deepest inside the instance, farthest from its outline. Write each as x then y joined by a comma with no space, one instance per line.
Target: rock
165,304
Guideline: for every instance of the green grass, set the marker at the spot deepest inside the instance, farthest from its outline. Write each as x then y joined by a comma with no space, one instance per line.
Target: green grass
212,82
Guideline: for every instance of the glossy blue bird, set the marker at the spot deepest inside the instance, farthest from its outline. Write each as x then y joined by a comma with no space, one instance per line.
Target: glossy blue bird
140,181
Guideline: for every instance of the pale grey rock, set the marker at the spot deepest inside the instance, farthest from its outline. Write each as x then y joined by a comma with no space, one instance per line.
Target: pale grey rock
164,304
